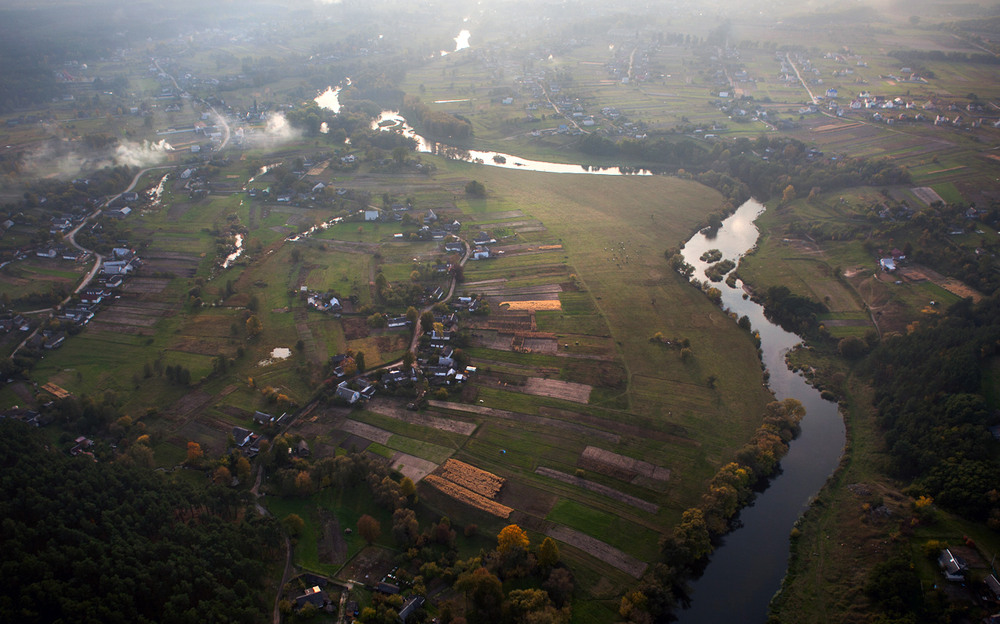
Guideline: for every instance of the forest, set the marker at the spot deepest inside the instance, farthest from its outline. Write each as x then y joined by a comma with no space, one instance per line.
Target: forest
98,542
931,404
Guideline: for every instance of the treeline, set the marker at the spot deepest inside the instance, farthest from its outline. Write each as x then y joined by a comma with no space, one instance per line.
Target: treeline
435,123
930,399
684,553
98,542
911,57
763,168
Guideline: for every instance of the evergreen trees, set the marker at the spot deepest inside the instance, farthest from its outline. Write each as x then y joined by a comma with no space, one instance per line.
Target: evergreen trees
116,543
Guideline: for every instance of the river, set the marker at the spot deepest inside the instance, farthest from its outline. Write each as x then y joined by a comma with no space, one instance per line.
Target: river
746,570
393,121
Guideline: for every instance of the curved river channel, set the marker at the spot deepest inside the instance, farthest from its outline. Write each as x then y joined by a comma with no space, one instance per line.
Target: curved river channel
746,570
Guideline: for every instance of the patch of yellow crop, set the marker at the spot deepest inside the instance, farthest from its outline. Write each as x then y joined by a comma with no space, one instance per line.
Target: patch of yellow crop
546,304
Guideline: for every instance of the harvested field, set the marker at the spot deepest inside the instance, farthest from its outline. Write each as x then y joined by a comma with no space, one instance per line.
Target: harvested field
145,285
918,273
354,328
366,431
540,345
188,404
412,467
332,546
475,479
501,341
511,320
533,304
468,497
120,316
926,194
501,289
599,488
129,330
425,420
181,265
596,548
497,216
355,443
620,466
565,390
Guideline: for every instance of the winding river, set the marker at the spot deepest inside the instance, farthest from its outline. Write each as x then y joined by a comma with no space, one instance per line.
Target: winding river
746,570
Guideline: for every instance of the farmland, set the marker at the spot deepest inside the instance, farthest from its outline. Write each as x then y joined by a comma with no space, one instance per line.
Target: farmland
562,404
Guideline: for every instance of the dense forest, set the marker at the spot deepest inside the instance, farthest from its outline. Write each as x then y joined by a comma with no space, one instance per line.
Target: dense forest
99,542
930,397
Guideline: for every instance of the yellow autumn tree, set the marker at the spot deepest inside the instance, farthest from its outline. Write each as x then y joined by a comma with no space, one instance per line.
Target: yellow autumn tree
512,537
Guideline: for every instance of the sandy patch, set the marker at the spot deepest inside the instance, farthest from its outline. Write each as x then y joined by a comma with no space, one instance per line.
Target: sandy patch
412,467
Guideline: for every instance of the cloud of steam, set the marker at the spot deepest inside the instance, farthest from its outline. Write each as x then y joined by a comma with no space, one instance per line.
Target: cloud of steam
276,131
143,154
65,159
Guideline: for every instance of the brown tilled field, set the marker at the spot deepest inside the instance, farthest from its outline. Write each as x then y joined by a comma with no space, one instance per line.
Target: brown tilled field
620,466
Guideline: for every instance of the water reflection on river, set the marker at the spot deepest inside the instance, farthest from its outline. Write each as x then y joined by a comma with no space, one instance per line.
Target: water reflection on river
746,570
391,120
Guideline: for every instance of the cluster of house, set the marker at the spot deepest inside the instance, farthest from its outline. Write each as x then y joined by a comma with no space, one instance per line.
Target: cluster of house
106,284
249,442
480,249
9,321
324,302
27,416
891,262
956,570
389,586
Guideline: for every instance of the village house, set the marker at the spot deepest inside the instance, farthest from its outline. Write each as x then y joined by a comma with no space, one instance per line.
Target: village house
349,395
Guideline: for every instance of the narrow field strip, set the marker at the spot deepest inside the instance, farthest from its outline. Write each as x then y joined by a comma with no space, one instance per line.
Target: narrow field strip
624,463
596,548
424,420
366,431
599,488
